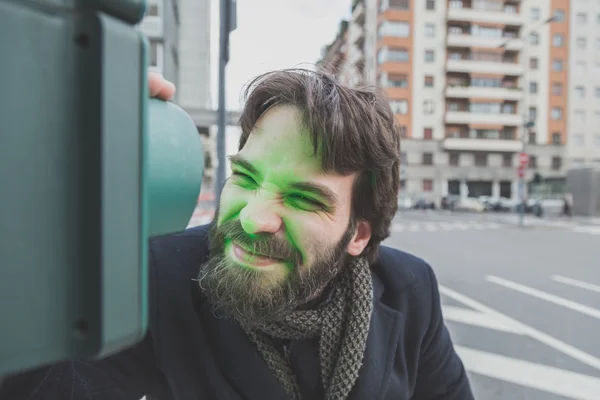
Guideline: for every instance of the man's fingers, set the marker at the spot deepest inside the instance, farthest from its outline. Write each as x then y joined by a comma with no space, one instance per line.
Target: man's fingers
159,87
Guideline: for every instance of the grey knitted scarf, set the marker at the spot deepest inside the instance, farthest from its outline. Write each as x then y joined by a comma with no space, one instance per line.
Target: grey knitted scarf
341,325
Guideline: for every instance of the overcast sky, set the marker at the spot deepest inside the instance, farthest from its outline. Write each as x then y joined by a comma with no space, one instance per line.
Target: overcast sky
274,34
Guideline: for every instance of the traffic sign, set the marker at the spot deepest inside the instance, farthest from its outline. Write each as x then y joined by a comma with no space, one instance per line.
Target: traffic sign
523,158
521,171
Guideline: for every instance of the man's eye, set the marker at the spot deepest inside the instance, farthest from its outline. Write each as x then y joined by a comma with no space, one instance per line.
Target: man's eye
305,202
240,177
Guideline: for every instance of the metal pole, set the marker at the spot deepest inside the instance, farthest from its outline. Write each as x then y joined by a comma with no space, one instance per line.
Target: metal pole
223,56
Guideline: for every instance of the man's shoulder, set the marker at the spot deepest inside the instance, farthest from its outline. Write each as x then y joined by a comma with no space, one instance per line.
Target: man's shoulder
401,273
176,258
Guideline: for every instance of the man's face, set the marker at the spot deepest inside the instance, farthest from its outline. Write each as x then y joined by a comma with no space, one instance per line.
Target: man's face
283,228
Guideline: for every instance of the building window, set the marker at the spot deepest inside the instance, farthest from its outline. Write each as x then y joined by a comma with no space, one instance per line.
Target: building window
397,80
428,81
532,113
428,133
534,38
156,54
392,55
535,14
597,140
403,132
394,28
533,63
153,10
581,18
557,89
557,65
532,137
559,15
556,138
579,140
581,42
532,161
481,160
556,113
399,106
556,162
427,185
558,40
430,30
428,106
580,116
597,92
454,159
429,56
427,158
507,160
533,87
394,4
580,92
430,5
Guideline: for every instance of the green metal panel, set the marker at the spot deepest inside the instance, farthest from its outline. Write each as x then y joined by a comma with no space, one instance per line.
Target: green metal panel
75,178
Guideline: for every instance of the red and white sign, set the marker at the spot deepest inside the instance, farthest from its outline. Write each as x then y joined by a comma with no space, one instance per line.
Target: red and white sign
523,158
521,171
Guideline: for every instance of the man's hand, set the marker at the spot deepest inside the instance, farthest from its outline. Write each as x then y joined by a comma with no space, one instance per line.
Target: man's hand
160,87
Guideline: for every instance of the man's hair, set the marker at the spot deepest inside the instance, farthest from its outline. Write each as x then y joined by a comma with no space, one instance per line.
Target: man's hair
354,130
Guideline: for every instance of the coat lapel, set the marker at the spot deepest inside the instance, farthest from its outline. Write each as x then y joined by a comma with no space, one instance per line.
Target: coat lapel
384,334
240,362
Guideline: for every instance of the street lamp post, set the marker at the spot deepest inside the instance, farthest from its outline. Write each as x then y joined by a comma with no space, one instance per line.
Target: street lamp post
528,126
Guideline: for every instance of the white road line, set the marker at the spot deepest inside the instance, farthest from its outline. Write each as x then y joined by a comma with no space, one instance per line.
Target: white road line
533,333
493,225
461,226
536,376
574,282
587,310
476,318
414,227
430,227
398,228
594,230
447,226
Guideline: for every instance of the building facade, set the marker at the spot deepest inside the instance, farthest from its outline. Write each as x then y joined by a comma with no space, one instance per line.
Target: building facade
473,83
179,35
584,90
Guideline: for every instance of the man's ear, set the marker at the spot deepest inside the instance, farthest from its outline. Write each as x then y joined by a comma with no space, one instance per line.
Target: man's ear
360,239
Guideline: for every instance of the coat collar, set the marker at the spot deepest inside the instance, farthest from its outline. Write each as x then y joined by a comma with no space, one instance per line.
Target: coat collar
250,376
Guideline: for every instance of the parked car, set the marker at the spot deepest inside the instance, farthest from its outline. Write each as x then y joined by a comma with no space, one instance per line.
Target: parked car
469,204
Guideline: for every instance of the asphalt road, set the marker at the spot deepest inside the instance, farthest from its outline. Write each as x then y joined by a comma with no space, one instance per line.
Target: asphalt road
521,304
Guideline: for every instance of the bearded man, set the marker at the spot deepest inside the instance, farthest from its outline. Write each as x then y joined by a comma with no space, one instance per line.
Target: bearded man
288,293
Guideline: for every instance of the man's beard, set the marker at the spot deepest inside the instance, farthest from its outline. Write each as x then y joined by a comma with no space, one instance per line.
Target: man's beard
254,297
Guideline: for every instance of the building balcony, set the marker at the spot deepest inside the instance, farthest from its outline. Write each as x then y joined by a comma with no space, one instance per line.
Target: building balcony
152,27
358,13
489,16
469,118
488,145
466,92
484,67
466,40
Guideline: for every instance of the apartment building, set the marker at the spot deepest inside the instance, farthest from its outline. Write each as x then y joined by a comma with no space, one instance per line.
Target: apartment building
179,36
583,146
473,83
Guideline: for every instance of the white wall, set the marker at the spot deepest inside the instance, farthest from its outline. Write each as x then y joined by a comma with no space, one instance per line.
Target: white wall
420,93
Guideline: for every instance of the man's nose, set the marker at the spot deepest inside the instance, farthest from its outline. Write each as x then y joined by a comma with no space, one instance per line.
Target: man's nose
261,216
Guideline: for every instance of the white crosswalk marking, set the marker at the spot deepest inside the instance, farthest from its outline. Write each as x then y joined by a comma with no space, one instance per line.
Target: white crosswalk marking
530,331
587,310
536,376
574,282
476,318
593,230
438,226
